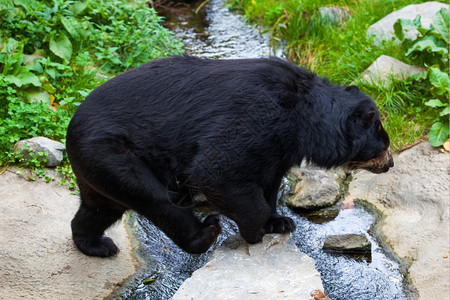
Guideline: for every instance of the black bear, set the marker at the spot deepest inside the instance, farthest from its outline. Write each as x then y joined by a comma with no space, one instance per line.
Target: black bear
155,136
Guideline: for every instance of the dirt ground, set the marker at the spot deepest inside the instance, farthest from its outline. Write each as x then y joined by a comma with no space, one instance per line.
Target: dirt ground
38,259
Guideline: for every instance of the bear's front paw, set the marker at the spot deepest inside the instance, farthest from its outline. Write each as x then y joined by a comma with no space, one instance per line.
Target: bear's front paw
253,237
206,236
279,224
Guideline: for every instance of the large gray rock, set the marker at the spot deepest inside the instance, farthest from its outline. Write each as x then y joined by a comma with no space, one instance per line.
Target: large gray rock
54,149
385,68
273,269
384,29
315,187
413,198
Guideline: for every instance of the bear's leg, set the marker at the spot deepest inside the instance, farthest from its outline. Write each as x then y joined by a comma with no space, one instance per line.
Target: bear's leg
95,215
177,222
132,185
88,227
276,222
184,229
246,206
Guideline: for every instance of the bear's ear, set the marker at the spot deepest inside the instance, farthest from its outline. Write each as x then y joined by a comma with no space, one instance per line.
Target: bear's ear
368,118
352,88
363,117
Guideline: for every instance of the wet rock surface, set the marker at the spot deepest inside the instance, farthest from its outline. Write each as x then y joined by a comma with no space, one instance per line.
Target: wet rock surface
319,216
273,269
314,187
413,198
347,243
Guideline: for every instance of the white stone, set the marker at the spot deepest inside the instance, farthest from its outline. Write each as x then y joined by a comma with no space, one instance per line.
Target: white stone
273,269
384,28
54,149
334,14
385,68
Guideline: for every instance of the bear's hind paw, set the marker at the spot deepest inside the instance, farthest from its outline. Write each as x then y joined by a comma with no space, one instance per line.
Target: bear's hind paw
206,236
99,246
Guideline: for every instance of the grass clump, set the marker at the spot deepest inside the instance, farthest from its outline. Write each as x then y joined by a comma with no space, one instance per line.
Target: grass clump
341,51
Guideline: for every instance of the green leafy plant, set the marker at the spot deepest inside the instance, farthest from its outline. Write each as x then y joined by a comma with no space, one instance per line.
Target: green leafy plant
430,49
35,161
54,52
68,177
123,42
25,120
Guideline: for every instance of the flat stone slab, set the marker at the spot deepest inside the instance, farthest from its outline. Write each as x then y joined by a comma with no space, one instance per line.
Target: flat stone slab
413,198
38,257
273,269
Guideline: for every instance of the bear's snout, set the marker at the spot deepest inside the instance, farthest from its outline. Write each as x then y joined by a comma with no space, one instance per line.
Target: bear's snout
379,164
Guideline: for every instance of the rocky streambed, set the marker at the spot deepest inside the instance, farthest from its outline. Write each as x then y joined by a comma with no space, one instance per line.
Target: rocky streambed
404,214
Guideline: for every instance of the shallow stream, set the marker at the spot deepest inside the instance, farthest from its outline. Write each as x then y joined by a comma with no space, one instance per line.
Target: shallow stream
215,32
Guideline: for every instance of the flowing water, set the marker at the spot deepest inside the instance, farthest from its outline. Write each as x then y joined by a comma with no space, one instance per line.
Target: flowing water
215,32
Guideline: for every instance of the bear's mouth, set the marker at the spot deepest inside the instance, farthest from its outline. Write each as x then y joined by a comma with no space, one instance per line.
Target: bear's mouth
379,164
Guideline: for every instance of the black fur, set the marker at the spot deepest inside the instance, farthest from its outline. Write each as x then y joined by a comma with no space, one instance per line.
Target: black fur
153,137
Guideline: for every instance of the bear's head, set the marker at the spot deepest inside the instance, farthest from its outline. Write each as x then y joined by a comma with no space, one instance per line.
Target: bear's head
370,145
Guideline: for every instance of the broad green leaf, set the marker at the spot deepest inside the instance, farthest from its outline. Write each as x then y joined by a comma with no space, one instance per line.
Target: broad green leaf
423,31
428,44
61,46
439,80
26,77
419,76
13,79
30,60
37,95
417,21
10,45
435,103
37,67
51,73
398,29
438,134
403,25
48,87
445,112
27,4
441,24
77,7
74,28
115,60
